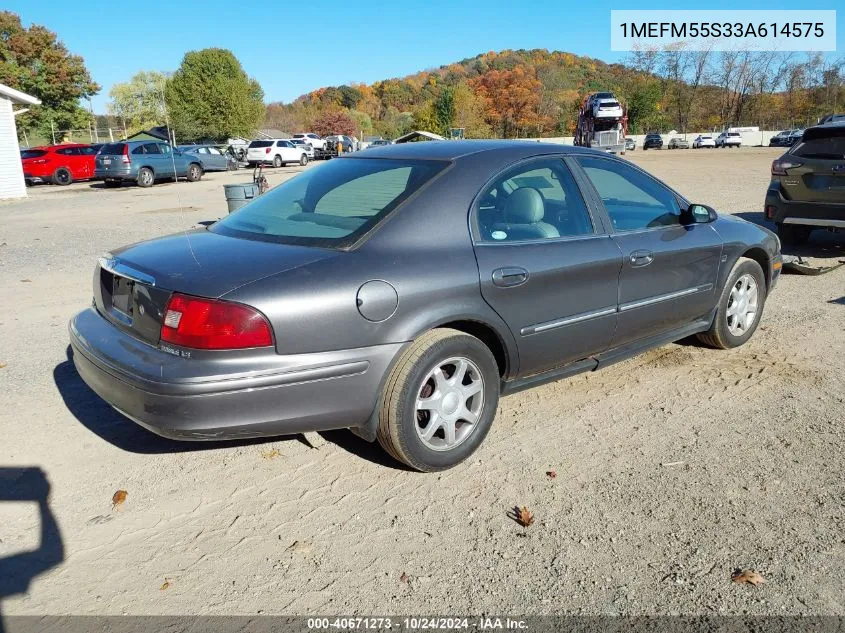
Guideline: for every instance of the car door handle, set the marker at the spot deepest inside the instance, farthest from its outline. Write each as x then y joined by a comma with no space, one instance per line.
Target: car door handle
641,258
508,277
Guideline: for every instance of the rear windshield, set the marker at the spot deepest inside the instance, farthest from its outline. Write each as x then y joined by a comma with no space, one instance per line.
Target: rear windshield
112,148
830,147
32,153
261,144
331,205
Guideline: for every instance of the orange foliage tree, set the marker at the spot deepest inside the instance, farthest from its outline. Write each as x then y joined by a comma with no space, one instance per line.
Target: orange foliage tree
511,97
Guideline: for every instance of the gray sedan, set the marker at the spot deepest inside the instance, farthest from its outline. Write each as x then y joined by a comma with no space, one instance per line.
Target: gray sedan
210,157
399,292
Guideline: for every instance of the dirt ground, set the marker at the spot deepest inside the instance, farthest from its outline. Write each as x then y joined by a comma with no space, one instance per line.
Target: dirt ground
672,469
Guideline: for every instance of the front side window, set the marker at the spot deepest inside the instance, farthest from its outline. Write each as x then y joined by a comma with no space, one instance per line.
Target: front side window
331,205
534,201
633,200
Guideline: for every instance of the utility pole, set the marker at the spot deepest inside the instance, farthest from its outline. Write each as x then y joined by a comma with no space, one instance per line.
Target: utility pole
53,131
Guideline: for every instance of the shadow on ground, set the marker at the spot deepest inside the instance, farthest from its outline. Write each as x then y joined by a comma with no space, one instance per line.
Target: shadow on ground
102,420
29,484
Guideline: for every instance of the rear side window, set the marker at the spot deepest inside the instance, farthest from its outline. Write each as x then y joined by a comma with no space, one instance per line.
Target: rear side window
261,144
113,148
633,200
331,205
33,153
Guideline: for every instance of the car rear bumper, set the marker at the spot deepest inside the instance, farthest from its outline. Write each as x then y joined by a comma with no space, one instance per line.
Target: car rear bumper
304,392
821,214
114,174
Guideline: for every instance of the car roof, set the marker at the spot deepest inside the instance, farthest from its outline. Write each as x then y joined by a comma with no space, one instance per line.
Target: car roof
454,150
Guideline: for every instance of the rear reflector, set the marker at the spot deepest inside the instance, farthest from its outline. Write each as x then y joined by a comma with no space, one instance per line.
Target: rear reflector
211,324
770,211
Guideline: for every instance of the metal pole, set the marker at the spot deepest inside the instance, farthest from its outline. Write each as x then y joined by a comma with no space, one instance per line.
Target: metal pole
53,131
111,136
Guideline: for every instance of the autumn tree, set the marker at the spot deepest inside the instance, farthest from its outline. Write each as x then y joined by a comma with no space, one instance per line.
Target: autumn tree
469,112
511,98
211,96
139,103
33,60
334,122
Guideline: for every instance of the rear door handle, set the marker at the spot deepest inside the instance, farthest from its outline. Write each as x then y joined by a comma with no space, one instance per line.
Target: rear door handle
508,277
641,258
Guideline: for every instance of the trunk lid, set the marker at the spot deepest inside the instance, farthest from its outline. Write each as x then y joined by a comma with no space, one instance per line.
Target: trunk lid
821,175
132,285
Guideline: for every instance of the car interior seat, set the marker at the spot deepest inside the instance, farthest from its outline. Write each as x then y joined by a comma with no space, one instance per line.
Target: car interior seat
523,217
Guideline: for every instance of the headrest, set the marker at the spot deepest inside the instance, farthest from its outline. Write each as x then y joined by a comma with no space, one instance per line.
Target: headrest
524,206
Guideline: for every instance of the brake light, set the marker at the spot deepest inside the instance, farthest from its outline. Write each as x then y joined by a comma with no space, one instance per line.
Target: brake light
125,158
213,324
780,166
267,150
40,161
770,211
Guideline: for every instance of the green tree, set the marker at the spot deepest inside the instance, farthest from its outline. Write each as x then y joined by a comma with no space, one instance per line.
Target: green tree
33,60
211,96
444,110
139,102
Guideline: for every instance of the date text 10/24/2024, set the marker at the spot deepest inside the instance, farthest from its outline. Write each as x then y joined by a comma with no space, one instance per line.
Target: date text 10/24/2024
417,623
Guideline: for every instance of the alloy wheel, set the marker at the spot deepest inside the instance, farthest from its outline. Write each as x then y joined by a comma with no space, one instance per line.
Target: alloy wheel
742,305
449,403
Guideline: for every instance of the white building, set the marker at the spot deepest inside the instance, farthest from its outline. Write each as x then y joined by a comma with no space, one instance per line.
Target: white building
12,184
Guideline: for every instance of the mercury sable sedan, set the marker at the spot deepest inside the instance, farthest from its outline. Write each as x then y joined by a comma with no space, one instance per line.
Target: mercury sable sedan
400,291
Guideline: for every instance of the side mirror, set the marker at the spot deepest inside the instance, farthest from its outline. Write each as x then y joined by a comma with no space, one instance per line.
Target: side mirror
698,214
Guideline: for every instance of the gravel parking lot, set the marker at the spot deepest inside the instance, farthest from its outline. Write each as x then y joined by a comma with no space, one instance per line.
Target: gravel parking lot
672,469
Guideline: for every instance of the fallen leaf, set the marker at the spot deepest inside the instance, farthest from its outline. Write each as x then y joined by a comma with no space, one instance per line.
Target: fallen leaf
26,281
404,577
522,516
270,454
749,576
551,474
118,498
2,365
165,585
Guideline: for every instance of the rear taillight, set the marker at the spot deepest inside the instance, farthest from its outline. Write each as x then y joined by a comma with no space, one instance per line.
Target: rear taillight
125,158
211,324
41,161
780,166
267,151
771,210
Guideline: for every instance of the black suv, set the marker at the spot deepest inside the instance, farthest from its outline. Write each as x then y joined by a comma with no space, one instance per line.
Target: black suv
652,140
807,190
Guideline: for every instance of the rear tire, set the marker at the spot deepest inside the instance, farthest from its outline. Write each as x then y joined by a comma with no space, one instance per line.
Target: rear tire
422,374
725,332
194,172
793,234
62,176
146,178
277,161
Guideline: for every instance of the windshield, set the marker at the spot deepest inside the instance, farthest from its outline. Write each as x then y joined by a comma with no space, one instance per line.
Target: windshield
830,147
113,149
331,205
32,153
261,144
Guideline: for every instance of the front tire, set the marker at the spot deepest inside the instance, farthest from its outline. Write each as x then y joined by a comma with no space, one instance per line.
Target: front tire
740,306
303,160
194,172
62,176
439,400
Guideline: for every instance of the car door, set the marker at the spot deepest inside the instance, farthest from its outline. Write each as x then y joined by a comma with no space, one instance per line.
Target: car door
87,155
172,163
669,269
216,159
546,264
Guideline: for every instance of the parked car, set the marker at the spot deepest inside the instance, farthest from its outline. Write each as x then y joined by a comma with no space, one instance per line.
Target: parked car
317,142
832,118
781,139
144,162
307,310
346,142
58,164
677,142
210,157
807,190
703,141
794,136
630,145
729,139
276,152
309,149
652,140
378,143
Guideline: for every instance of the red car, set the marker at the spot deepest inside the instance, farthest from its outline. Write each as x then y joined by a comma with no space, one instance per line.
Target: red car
59,164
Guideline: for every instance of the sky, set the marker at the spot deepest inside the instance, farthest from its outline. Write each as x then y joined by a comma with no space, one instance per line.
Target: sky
292,47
